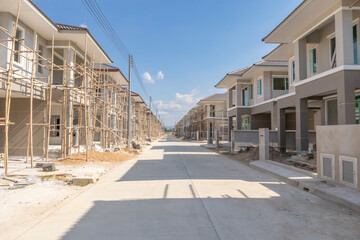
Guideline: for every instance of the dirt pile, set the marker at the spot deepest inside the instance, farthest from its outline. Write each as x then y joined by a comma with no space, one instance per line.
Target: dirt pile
95,156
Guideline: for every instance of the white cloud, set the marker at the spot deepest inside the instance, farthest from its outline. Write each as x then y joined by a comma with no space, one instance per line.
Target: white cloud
187,98
83,25
148,78
174,110
160,75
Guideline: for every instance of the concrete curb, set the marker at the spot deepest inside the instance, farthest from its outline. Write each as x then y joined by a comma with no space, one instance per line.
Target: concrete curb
306,181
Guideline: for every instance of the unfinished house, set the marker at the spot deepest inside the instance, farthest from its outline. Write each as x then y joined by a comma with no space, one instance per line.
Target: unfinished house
58,95
252,96
320,41
215,117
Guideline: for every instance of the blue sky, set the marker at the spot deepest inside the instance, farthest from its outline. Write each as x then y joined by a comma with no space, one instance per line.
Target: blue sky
181,48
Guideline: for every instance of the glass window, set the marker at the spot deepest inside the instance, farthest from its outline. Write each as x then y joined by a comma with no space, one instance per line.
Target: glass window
259,86
245,123
281,83
355,42
332,112
40,61
212,110
245,97
313,61
293,70
357,109
19,36
333,52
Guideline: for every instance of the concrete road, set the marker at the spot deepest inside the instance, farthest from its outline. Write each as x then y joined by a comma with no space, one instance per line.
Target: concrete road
179,190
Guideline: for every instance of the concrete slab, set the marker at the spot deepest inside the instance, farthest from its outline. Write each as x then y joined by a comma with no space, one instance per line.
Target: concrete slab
179,190
307,181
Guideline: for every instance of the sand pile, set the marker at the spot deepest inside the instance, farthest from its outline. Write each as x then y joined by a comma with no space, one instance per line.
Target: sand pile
94,156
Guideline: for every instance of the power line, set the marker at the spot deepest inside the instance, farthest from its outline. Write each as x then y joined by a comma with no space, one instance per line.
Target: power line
95,11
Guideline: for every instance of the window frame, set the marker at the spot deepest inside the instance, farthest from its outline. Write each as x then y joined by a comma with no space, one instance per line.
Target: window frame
279,77
259,88
311,68
40,61
331,37
292,67
21,48
356,26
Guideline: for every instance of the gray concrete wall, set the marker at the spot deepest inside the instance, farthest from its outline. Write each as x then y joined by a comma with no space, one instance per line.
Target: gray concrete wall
18,132
339,140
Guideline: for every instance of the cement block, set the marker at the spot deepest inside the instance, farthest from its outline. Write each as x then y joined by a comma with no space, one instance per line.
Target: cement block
48,167
83,181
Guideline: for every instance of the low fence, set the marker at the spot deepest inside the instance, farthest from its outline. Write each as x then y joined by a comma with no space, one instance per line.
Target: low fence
246,138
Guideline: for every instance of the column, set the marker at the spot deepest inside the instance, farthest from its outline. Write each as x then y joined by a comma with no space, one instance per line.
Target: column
282,129
230,97
346,104
230,126
302,131
300,60
344,38
274,116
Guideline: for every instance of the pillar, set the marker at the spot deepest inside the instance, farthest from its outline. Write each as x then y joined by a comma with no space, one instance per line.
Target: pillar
230,97
274,116
282,129
302,129
230,126
346,104
300,60
263,144
344,38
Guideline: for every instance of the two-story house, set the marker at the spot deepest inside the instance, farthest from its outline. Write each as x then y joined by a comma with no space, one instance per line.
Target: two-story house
252,94
320,41
67,46
215,118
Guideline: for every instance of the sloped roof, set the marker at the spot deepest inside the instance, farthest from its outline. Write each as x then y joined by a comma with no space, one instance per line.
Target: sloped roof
218,97
239,71
63,26
272,63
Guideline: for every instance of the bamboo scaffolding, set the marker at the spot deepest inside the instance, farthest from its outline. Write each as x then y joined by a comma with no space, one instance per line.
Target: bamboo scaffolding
100,103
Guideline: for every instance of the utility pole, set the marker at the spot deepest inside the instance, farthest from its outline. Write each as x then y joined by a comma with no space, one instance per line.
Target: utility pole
129,106
150,119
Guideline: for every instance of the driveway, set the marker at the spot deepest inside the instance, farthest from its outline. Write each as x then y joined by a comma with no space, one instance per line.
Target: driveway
179,190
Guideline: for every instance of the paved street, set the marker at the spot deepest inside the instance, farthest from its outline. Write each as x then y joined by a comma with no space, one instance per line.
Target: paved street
179,190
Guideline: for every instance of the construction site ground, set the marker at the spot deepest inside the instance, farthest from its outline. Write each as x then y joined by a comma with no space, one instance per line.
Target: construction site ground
180,190
28,194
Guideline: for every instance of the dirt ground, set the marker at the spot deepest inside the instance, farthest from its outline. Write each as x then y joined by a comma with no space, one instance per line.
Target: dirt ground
24,203
249,154
94,156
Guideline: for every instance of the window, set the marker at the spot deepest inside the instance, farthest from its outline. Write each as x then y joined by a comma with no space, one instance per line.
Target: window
333,52
332,112
250,91
355,45
212,110
293,70
245,122
19,37
245,96
40,61
55,126
259,87
280,83
313,61
357,109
